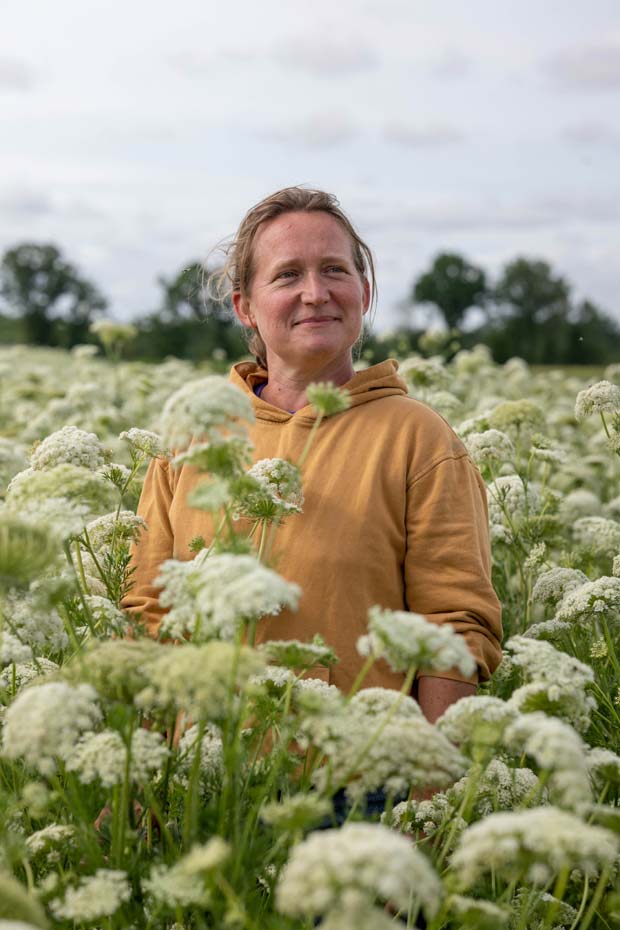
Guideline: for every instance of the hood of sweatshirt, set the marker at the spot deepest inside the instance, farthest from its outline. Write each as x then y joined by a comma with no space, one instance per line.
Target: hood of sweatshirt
365,386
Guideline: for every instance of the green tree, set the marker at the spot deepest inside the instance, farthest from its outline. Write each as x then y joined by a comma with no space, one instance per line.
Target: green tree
453,285
189,323
42,288
534,304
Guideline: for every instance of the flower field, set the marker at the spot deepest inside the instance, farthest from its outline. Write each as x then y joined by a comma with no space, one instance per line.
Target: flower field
163,785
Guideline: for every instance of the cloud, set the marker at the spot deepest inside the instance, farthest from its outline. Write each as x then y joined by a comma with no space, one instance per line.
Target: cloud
590,132
325,130
462,216
422,136
325,57
16,75
450,64
27,205
587,67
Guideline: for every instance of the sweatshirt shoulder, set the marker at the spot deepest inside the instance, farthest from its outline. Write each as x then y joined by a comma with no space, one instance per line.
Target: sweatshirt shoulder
411,417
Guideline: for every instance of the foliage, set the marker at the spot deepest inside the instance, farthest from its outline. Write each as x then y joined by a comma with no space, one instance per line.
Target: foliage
39,285
116,810
454,285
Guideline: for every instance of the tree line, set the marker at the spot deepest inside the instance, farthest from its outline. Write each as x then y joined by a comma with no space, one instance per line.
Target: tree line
529,311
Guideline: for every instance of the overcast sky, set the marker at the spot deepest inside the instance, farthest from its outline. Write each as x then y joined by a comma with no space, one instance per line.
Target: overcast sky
136,134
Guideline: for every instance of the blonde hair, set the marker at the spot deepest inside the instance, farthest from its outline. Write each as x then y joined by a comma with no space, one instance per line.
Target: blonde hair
238,270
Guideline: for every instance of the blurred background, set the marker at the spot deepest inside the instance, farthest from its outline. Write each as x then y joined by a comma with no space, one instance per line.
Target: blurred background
475,146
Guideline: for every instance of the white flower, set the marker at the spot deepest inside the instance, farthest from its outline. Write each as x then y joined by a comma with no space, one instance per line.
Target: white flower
551,630
367,859
558,677
579,503
378,701
35,625
208,407
425,372
552,585
12,649
407,639
62,517
476,721
115,527
602,397
197,679
545,450
280,492
45,722
476,912
600,598
103,756
211,597
557,748
599,535
20,675
508,495
69,445
367,753
411,817
224,456
490,447
296,654
604,766
534,844
144,441
12,460
327,398
98,895
73,482
298,812
52,835
499,788
185,882
514,415
211,756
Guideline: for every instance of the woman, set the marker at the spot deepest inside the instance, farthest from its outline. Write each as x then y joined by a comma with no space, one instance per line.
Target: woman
394,512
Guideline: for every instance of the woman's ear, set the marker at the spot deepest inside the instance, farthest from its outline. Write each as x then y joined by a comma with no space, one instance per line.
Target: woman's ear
241,306
366,303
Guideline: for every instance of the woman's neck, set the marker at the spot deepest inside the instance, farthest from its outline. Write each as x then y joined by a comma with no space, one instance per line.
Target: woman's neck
287,386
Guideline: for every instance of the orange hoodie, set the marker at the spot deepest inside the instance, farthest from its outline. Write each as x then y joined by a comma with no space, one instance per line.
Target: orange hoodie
394,515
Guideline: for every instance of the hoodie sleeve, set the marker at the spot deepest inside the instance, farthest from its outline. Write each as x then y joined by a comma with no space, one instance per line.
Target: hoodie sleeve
448,563
154,546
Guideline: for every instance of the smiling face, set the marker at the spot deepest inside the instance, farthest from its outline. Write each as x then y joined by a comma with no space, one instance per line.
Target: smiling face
306,298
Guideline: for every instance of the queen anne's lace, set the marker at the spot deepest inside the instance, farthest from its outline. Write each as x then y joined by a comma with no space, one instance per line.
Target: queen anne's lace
98,895
602,397
183,884
533,845
367,861
45,722
210,598
70,445
408,640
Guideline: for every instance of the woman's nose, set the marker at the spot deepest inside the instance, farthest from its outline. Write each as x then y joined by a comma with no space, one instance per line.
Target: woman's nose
315,290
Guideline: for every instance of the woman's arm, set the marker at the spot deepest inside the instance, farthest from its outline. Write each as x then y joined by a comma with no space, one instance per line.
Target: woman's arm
155,545
436,694
448,569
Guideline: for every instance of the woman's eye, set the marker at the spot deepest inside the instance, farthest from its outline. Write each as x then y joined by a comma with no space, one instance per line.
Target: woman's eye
337,268
286,274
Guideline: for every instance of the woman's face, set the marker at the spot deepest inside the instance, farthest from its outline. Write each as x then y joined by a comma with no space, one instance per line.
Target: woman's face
307,298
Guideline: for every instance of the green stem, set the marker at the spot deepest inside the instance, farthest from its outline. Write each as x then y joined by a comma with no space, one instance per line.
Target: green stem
582,904
558,893
605,425
596,898
361,675
309,441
